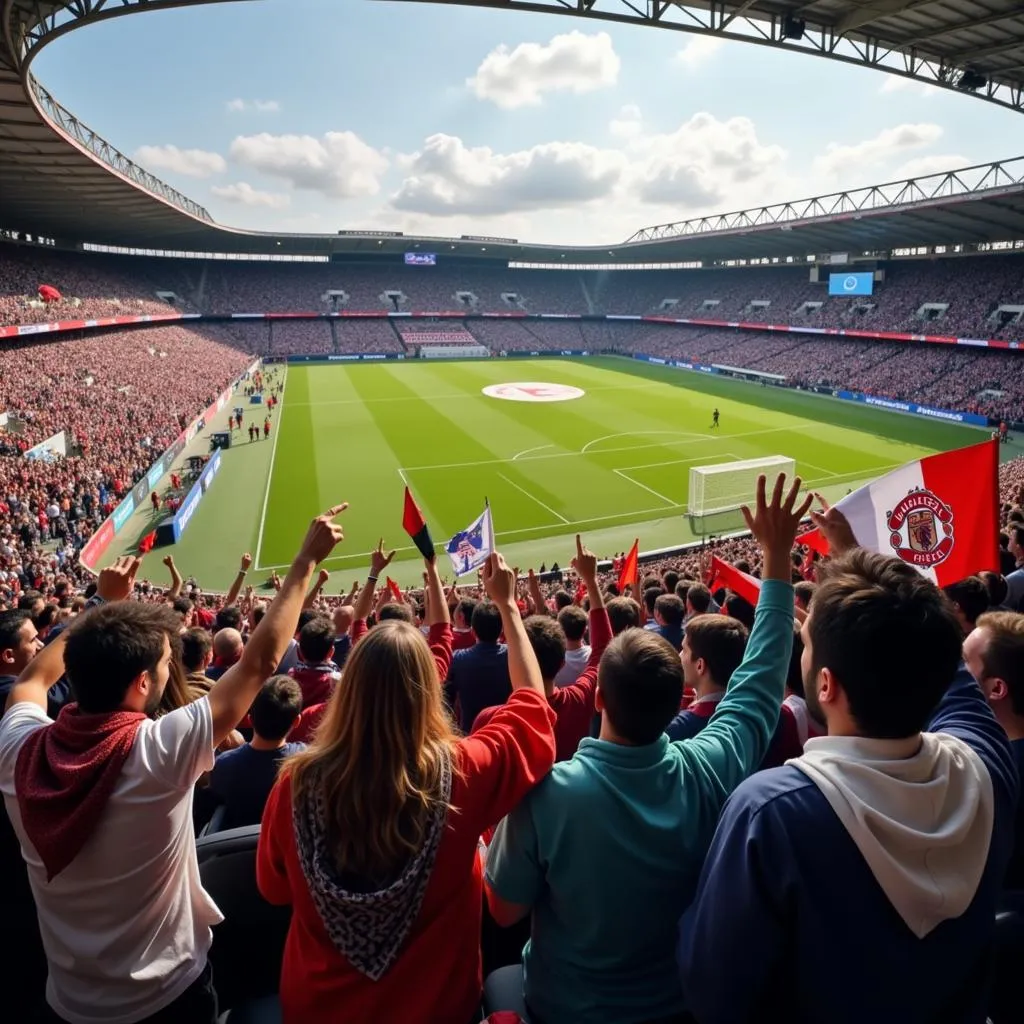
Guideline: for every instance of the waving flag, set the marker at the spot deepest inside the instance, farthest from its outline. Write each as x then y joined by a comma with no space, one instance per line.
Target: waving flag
740,583
629,575
416,526
470,548
939,514
394,591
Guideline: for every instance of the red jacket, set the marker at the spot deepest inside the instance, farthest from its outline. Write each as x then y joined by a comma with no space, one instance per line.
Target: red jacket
438,975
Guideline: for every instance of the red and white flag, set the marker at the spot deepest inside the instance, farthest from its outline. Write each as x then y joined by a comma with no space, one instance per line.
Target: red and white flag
939,514
740,583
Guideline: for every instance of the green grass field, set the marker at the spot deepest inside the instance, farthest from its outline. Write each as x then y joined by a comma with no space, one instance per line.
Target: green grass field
613,465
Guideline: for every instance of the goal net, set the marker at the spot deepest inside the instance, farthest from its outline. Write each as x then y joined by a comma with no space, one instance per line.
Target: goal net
717,492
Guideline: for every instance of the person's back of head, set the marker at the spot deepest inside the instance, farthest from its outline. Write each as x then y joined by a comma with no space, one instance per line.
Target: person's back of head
548,642
196,649
464,613
669,610
563,599
183,606
739,608
970,598
804,591
651,595
881,646
228,646
393,610
714,645
573,621
316,641
994,655
682,590
276,708
486,622
698,600
639,686
119,655
997,588
342,619
382,756
623,613
228,618
669,581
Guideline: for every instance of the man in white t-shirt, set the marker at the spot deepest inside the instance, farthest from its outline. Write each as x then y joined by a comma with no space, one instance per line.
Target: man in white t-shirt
101,799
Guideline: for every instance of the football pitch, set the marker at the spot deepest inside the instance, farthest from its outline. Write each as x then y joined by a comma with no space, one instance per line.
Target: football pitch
612,464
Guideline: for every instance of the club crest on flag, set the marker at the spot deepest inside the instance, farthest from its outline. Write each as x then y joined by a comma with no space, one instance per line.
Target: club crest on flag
921,529
470,548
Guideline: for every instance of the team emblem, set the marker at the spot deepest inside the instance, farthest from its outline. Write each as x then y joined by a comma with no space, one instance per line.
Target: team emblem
921,529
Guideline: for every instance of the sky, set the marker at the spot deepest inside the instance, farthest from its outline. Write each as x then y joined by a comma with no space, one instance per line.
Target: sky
319,115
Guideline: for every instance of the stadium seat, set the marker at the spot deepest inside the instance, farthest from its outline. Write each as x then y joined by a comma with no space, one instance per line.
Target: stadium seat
249,944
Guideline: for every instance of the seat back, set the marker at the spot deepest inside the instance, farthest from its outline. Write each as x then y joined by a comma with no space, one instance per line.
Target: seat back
249,944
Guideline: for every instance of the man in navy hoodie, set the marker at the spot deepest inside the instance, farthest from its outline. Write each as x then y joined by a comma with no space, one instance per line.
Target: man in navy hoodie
859,882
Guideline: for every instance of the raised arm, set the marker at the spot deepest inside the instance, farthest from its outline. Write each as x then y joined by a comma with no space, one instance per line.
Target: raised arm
540,606
379,561
500,584
176,581
314,594
235,691
439,634
236,587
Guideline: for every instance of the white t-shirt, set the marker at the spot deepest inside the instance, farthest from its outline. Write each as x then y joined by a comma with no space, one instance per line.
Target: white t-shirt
126,926
575,665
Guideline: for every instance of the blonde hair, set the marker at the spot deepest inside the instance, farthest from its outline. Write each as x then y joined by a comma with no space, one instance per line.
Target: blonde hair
379,754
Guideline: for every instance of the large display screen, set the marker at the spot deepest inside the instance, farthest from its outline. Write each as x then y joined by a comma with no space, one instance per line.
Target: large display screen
421,259
851,284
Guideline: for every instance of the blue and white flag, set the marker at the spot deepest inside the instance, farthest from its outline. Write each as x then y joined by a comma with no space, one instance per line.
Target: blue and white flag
469,549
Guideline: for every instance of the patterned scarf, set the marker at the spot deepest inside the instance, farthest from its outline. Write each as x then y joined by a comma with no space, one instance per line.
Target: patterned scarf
368,929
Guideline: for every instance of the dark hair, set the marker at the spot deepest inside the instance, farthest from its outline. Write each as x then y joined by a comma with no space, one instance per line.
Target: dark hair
466,606
889,637
671,609
393,610
573,621
29,598
740,608
623,613
548,643
305,616
10,626
795,675
563,599
682,589
228,618
997,588
651,595
1016,533
721,641
110,646
641,682
804,591
182,605
257,614
699,598
276,707
1003,657
487,622
970,595
316,639
670,579
196,645
47,616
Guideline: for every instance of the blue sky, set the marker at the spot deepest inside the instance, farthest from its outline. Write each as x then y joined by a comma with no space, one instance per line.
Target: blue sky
317,115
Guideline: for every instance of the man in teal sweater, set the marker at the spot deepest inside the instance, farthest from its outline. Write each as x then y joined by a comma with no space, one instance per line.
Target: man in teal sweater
605,853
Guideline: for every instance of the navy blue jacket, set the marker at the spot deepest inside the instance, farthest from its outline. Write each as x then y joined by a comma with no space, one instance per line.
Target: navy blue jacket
478,679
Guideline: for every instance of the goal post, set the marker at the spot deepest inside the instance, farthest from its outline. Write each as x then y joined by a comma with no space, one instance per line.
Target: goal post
721,489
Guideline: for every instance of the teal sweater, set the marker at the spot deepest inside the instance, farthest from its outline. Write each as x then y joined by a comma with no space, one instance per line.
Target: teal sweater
607,850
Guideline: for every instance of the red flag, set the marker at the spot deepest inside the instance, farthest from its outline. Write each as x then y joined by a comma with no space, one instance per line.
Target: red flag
147,542
581,592
393,589
742,585
416,526
630,571
939,514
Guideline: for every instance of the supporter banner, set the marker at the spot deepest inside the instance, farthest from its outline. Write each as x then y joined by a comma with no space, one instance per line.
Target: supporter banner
951,415
141,490
188,507
438,337
50,448
123,513
345,357
25,330
96,545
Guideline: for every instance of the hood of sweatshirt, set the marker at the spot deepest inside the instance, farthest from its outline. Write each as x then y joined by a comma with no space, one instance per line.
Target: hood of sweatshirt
921,816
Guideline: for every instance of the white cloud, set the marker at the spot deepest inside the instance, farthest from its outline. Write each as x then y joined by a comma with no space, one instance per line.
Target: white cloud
573,62
242,192
339,165
842,160
193,163
259,106
698,51
628,124
922,166
897,83
448,178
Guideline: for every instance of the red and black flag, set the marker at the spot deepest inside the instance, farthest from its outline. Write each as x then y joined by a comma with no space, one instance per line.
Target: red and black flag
394,591
416,526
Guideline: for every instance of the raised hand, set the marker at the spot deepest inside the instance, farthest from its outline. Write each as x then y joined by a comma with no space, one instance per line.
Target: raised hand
168,560
379,561
323,536
499,580
247,561
774,524
835,527
115,583
585,562
323,578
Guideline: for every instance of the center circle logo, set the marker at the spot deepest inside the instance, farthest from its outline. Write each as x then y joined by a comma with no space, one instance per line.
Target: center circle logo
533,391
921,529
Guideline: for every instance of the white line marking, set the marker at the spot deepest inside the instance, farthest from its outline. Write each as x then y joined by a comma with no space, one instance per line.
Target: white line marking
523,490
401,473
820,469
669,503
643,433
677,462
526,451
270,469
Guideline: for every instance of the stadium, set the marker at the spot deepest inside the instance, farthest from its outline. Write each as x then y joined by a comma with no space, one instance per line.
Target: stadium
180,399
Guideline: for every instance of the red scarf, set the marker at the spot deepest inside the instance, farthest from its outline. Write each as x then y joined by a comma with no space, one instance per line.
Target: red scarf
64,776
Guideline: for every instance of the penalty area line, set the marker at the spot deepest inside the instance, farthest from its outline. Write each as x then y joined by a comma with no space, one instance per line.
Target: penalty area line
270,472
547,508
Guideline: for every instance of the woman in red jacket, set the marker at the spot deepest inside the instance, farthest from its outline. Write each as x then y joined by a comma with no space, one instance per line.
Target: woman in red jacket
372,834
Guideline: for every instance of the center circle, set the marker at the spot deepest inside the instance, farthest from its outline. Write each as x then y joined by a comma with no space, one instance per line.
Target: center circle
533,391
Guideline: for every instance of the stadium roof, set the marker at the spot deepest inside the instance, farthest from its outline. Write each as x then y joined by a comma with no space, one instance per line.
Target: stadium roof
59,179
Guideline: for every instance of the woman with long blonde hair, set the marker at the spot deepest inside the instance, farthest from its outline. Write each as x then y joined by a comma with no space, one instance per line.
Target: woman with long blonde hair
372,833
